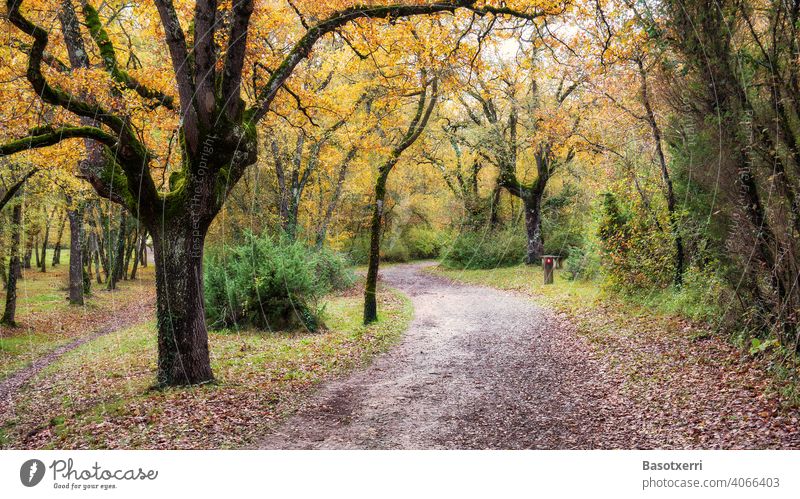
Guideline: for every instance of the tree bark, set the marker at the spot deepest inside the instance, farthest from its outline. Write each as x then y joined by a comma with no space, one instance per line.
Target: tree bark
116,267
36,252
494,207
294,208
134,251
532,196
143,249
95,250
532,204
322,232
183,356
415,128
57,248
103,238
75,256
87,258
9,315
130,249
370,299
3,274
669,191
45,239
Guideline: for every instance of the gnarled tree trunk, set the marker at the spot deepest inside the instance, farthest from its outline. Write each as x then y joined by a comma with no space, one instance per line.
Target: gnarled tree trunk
532,203
183,356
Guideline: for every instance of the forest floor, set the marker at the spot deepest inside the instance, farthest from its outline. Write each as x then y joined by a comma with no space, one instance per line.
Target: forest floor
522,366
100,394
47,325
485,368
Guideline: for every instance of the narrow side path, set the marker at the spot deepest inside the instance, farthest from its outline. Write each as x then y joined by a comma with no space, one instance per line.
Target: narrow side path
137,311
478,368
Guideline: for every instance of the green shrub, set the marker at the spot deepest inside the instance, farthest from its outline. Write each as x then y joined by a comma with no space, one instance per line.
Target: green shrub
416,243
703,295
332,270
358,250
395,251
583,263
485,250
269,284
635,253
561,240
422,243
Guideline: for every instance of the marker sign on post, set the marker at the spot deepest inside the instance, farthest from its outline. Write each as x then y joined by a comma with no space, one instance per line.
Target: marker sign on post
548,264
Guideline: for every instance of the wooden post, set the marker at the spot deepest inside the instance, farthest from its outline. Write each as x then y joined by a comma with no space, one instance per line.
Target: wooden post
548,264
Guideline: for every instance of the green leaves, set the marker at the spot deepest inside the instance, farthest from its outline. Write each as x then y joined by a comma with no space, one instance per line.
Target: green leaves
758,346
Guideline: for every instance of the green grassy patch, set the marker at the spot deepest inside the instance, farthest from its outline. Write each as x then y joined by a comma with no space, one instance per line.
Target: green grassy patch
563,294
46,320
99,395
571,295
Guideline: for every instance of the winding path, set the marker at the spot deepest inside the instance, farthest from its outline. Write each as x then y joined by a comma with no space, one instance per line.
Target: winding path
478,368
132,313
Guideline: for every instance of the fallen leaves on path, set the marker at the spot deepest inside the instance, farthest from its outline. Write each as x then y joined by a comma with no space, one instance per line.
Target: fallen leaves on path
680,386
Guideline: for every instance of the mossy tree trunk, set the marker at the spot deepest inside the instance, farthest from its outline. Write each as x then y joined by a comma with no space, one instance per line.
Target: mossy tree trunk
117,254
30,245
532,204
505,156
183,354
423,113
322,231
370,297
133,253
143,249
532,196
209,106
669,191
10,312
57,247
42,262
95,250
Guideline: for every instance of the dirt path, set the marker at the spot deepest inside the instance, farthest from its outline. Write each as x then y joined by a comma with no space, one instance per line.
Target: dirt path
478,368
130,314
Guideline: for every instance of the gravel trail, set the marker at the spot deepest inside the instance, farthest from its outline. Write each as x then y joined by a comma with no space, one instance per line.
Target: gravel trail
478,368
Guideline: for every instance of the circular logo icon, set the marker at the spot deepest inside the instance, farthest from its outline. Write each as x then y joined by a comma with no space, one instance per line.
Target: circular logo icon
31,472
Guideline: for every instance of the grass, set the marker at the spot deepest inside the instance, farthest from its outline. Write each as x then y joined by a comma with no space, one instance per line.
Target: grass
563,294
100,396
41,291
698,301
46,320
